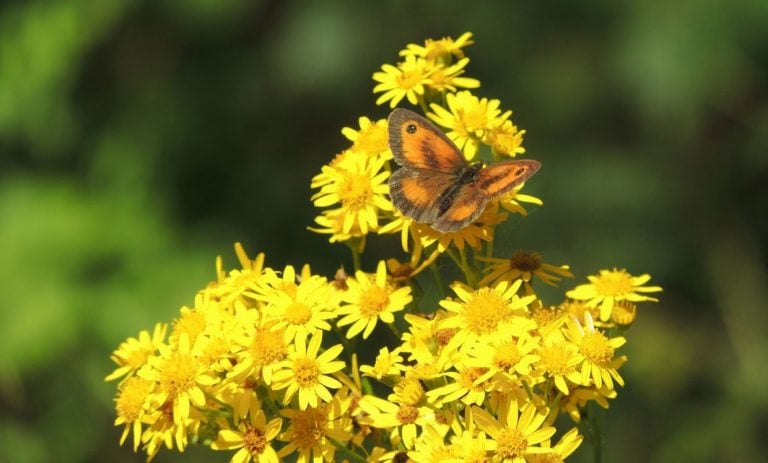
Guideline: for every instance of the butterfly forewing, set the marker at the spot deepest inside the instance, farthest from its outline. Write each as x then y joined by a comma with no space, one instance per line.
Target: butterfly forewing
499,178
417,143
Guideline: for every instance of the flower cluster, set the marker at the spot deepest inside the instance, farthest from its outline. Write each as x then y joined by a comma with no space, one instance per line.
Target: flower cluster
272,364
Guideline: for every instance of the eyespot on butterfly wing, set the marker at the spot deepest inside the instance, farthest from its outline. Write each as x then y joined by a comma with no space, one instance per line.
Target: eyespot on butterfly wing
416,142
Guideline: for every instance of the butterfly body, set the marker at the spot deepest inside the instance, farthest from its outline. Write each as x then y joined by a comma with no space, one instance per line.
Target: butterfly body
435,184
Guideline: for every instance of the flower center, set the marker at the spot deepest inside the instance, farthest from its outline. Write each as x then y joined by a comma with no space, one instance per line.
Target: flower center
374,300
525,261
308,428
614,283
254,441
130,401
191,322
595,347
470,375
306,370
511,443
485,311
178,373
355,191
506,356
407,414
555,359
298,313
373,140
267,347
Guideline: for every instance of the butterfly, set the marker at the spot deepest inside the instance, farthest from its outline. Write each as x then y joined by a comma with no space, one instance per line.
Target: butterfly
435,184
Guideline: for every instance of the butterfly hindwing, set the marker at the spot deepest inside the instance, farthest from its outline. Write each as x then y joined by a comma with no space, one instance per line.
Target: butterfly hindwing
415,192
417,143
499,178
466,205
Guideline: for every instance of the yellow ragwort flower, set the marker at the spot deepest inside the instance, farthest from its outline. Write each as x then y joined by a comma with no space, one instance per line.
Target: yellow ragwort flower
371,298
468,118
311,433
253,438
600,363
372,138
518,432
358,186
306,372
505,140
406,80
440,49
612,286
523,265
133,353
487,312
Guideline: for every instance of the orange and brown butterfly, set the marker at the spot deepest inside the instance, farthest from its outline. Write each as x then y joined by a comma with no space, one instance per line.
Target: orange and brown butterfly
435,184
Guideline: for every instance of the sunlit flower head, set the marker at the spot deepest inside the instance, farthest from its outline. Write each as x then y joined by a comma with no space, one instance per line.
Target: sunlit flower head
133,353
560,451
468,118
611,286
180,377
130,405
517,432
372,138
406,80
512,201
505,140
371,298
488,312
359,188
311,432
440,49
523,265
449,78
308,372
252,438
600,362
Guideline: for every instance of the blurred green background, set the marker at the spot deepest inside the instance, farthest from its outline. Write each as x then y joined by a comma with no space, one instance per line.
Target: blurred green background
140,139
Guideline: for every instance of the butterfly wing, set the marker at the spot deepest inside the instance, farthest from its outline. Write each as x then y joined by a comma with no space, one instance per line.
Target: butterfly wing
465,205
417,143
415,192
499,178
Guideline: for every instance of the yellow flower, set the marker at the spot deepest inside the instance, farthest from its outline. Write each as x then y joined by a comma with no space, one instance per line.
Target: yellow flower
444,48
312,432
505,140
371,298
469,384
468,118
517,433
562,450
359,186
613,286
487,312
560,361
130,405
253,438
430,447
180,378
306,372
472,447
403,419
600,364
300,311
511,201
387,364
372,138
229,287
407,80
448,78
134,352
524,265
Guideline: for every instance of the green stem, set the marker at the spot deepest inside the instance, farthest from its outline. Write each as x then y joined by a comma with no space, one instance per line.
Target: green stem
468,270
355,254
353,456
438,279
